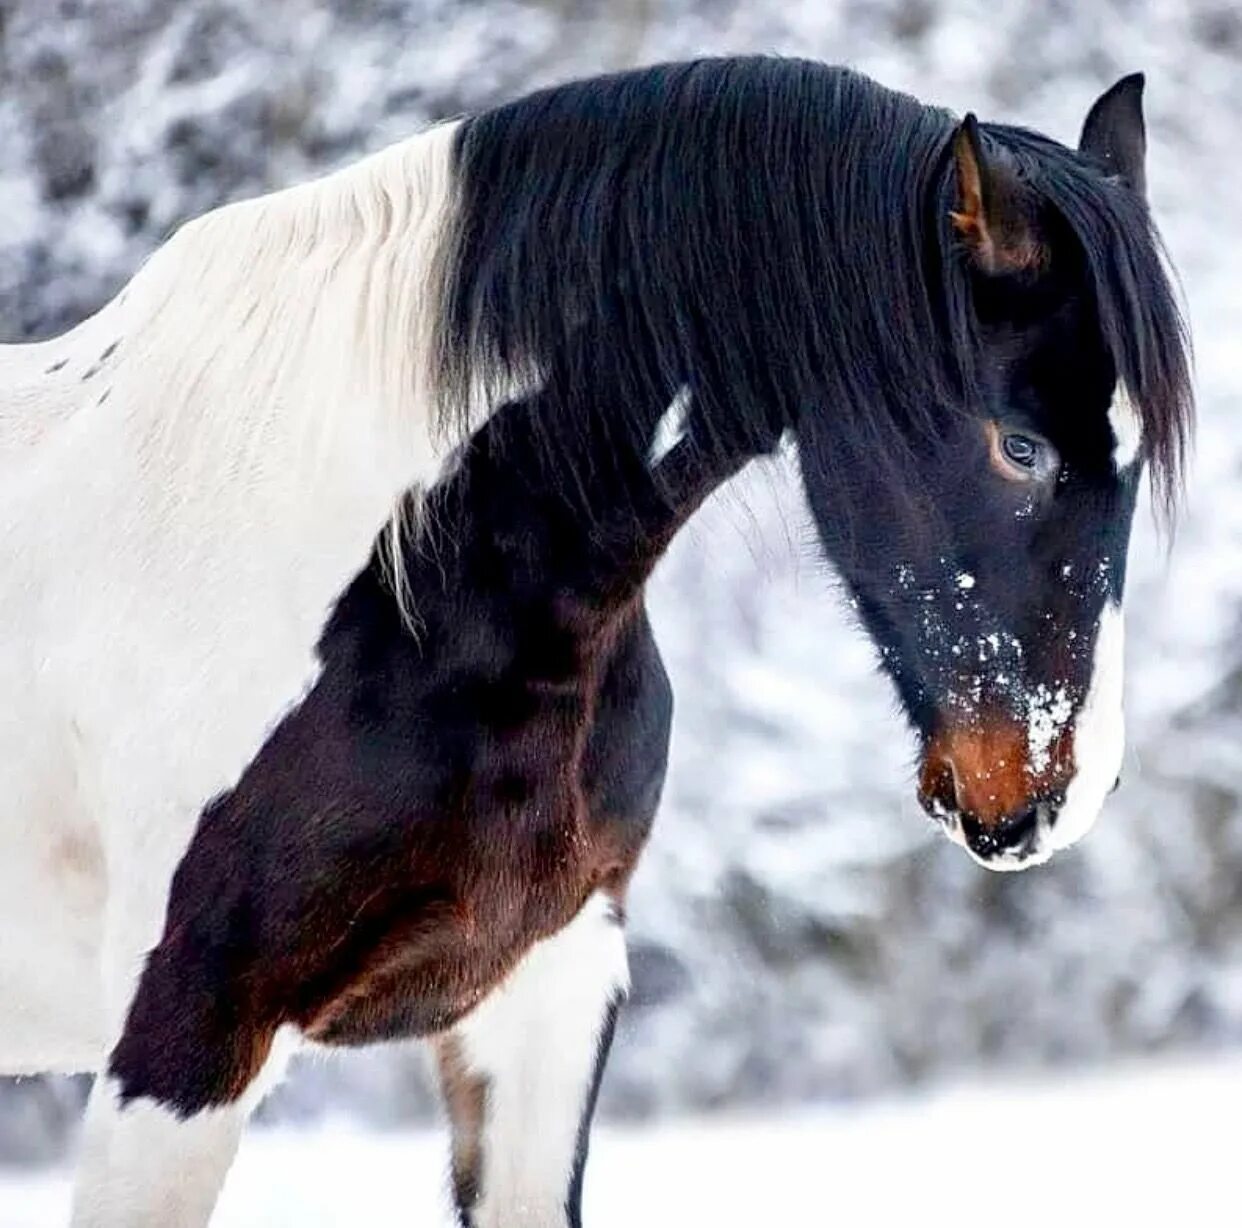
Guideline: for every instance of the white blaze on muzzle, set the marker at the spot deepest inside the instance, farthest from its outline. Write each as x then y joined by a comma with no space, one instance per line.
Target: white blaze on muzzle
1098,741
1099,735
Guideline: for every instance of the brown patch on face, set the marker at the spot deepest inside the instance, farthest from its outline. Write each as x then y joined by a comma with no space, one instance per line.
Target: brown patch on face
465,1099
984,769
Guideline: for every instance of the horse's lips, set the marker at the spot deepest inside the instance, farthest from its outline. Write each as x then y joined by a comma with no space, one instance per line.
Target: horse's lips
1037,853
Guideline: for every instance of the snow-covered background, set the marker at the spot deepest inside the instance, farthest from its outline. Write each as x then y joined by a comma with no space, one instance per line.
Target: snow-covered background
1107,1149
799,932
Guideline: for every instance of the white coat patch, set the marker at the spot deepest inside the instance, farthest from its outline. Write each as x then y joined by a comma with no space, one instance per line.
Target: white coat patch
1099,735
670,430
1127,429
535,1040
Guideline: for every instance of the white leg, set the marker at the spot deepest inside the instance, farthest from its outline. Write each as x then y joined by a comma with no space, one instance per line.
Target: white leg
142,1167
144,1164
520,1077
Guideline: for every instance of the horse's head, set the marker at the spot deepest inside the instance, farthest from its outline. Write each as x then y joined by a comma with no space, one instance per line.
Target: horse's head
984,544
968,330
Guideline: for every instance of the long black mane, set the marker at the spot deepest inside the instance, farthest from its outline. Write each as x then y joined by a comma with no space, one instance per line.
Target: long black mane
775,235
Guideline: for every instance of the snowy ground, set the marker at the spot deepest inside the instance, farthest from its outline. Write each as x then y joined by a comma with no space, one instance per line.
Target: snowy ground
1141,1145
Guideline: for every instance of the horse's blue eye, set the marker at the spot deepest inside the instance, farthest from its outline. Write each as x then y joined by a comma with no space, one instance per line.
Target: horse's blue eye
1022,450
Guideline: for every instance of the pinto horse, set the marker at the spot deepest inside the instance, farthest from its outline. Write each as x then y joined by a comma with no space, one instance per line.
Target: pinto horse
332,711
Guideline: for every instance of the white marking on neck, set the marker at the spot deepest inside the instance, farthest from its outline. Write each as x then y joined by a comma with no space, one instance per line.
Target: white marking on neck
1099,734
1127,428
670,430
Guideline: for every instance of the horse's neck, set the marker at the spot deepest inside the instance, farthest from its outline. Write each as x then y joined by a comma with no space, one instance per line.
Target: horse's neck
569,529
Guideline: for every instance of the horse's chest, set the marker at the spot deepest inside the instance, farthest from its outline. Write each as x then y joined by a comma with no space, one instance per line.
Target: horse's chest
396,847
550,817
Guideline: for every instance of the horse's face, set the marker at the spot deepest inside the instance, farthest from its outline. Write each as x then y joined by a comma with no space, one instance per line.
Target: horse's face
989,565
993,587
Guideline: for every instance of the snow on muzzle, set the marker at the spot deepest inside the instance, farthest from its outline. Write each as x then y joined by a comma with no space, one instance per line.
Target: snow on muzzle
1014,787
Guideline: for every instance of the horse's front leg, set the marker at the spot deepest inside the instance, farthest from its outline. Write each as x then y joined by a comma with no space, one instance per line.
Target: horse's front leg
521,1073
186,1069
144,1166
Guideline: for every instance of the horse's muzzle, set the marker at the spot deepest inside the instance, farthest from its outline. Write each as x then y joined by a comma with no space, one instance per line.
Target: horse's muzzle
991,794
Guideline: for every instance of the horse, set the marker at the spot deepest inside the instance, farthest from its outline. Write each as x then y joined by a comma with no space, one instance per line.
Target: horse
334,715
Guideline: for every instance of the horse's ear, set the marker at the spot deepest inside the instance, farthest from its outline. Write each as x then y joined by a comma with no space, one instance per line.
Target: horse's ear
992,217
1114,132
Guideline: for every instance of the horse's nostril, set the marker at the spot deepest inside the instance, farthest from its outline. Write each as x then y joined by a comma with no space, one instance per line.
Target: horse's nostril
1116,784
1016,833
938,789
979,838
1018,830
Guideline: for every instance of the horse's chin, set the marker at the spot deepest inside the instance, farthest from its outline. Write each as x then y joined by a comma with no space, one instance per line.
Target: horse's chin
1009,861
